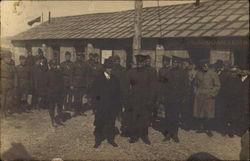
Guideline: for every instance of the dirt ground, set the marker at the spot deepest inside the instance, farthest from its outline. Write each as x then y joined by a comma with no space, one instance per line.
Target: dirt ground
30,135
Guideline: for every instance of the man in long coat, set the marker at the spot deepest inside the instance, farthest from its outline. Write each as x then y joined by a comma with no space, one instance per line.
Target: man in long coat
79,82
8,83
24,81
67,71
206,88
106,97
40,86
175,95
55,92
139,107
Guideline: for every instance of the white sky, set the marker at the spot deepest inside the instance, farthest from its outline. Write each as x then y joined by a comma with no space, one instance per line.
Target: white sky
16,14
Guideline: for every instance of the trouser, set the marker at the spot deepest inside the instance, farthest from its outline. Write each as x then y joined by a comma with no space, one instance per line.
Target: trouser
78,94
172,118
139,131
53,103
68,98
6,100
103,132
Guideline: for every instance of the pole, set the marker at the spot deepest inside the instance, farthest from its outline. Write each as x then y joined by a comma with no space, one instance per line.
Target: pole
138,26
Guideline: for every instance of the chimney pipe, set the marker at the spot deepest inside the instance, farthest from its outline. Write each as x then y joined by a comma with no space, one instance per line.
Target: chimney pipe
49,17
197,3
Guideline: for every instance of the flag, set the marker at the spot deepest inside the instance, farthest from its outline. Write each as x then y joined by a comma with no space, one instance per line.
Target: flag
38,19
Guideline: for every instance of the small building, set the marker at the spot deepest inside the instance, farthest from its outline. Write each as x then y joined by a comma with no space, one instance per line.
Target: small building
213,30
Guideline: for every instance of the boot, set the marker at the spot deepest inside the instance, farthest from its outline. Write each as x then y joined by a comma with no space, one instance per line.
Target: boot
112,142
167,138
146,140
133,139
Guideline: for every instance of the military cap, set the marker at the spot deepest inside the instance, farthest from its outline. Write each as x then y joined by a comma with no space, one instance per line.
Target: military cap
165,58
219,63
67,53
22,57
40,50
177,59
147,57
140,58
108,63
203,61
95,55
115,57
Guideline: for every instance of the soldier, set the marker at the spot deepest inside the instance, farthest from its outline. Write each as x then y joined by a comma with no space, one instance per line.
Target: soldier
30,63
206,88
8,83
162,88
140,110
40,86
24,81
79,82
55,92
40,57
106,98
175,95
67,71
95,68
234,107
120,73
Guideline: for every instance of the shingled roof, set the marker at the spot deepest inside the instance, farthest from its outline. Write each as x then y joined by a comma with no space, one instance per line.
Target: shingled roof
214,18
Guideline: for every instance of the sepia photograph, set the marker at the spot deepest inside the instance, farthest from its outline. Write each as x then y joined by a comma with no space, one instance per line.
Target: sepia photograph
124,80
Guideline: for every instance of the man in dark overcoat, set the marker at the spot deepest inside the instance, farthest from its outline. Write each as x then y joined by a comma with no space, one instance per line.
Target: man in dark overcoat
24,78
175,95
141,82
8,83
67,71
79,82
106,97
55,92
40,86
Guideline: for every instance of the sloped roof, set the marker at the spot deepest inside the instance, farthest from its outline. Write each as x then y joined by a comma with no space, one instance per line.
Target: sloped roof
214,18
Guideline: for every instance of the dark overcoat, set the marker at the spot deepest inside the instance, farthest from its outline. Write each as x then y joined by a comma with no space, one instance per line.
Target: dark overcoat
67,71
106,96
140,107
40,80
23,78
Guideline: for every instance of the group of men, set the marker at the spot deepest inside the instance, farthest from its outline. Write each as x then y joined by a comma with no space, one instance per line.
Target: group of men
183,93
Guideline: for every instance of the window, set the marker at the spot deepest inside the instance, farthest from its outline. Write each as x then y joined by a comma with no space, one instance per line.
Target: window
106,54
224,55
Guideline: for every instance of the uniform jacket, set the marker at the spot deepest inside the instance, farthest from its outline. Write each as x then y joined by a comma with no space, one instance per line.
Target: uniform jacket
67,71
80,74
40,80
8,76
23,77
206,88
54,83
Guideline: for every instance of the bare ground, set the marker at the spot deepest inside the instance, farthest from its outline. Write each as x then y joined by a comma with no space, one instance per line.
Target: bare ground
74,141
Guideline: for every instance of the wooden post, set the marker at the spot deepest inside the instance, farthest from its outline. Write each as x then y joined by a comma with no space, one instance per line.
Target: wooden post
138,26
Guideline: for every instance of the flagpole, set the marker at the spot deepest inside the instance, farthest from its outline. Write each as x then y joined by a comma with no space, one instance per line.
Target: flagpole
42,16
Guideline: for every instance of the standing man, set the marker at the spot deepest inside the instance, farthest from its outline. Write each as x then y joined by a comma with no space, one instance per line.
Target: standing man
24,82
40,85
55,92
40,57
8,83
161,93
175,95
79,82
95,68
67,72
106,97
30,63
140,108
206,88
